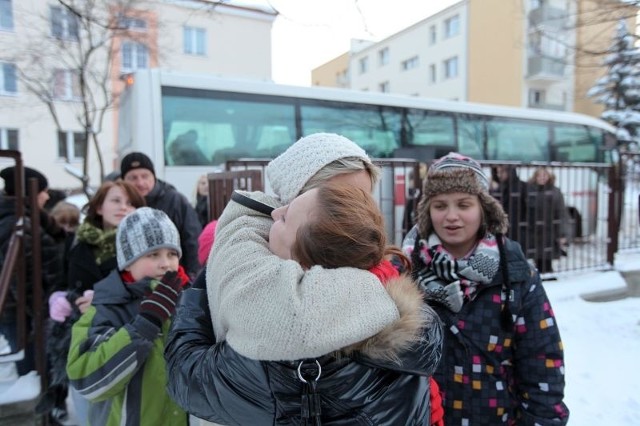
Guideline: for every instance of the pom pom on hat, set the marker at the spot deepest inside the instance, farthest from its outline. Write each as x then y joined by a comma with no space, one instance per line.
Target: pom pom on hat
142,231
9,176
290,171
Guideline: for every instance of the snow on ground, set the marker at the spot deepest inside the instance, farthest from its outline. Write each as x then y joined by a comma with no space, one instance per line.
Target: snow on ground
602,347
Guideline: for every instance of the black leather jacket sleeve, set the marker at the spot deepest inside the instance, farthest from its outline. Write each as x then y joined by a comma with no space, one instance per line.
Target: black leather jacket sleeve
205,376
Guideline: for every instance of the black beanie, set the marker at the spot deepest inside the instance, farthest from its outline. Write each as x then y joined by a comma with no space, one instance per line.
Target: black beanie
9,176
135,160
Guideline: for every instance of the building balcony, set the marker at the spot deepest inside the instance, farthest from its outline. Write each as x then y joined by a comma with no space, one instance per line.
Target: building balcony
544,105
541,68
548,16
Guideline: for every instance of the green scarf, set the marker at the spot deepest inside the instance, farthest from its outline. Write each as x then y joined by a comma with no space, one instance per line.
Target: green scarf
103,242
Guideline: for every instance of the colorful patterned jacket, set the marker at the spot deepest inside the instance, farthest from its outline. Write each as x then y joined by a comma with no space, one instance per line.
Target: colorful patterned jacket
490,375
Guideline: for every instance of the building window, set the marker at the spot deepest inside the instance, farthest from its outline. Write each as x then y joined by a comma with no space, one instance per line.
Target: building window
134,56
64,25
6,15
364,65
451,67
66,85
433,34
9,139
71,145
194,41
452,26
383,56
132,24
410,63
384,87
8,79
536,97
432,73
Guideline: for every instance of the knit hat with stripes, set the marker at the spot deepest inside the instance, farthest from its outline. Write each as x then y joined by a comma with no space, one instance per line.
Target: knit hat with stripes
143,231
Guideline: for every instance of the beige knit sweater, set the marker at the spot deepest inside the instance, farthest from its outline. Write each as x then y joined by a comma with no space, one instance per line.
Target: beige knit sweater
271,309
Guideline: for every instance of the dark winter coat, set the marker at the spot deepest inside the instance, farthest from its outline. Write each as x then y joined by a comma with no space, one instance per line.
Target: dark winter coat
213,382
52,241
165,197
512,194
84,272
116,359
494,374
548,221
202,209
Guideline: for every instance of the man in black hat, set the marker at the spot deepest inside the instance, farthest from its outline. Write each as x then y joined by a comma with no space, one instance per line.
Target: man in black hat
137,169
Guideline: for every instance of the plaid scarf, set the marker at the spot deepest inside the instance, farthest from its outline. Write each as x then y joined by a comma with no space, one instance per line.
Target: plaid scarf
439,268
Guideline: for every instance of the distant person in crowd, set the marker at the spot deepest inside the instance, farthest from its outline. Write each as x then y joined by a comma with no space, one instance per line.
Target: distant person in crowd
202,200
66,215
502,360
413,195
548,220
205,241
55,196
116,355
184,150
51,235
201,369
507,188
91,257
137,169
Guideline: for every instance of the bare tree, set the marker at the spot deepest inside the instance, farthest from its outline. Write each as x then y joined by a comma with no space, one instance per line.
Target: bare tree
69,64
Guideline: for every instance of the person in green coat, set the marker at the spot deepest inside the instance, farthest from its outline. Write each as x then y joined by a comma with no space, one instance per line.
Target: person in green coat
116,356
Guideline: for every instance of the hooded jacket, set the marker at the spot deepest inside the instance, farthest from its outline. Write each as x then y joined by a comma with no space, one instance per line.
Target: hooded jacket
165,197
116,359
492,374
382,380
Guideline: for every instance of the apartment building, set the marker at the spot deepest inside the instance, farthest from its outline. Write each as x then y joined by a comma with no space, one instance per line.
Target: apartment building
525,53
188,35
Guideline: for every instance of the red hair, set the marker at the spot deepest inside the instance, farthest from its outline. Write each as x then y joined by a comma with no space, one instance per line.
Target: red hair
346,230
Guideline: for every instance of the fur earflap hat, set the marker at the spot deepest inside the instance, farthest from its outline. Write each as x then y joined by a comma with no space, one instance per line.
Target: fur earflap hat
291,170
142,231
457,173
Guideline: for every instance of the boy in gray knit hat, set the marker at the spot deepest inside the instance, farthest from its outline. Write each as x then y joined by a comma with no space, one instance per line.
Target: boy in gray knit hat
116,351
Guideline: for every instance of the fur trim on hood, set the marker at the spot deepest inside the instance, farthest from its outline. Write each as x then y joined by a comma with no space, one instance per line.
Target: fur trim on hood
406,331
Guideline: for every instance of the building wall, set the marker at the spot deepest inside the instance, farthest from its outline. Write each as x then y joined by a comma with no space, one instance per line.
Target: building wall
595,38
334,73
238,43
402,47
495,51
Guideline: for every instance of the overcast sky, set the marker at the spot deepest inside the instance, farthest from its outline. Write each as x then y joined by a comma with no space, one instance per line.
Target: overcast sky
308,33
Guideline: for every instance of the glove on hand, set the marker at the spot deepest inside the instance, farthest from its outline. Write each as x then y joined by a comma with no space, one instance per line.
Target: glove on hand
450,295
59,306
161,303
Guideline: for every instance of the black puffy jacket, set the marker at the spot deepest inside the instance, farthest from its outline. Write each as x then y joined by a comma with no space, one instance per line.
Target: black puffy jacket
356,386
165,197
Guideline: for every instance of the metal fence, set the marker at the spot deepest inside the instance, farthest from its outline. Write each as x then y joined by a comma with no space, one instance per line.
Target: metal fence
600,214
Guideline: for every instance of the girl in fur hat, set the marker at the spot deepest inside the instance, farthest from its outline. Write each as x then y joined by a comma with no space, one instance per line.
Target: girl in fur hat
289,335
502,359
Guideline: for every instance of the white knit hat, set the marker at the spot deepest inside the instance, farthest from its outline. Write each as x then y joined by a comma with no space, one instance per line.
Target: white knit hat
143,231
290,171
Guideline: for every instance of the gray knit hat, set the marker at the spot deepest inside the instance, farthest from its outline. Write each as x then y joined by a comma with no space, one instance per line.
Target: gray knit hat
143,231
290,171
457,173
